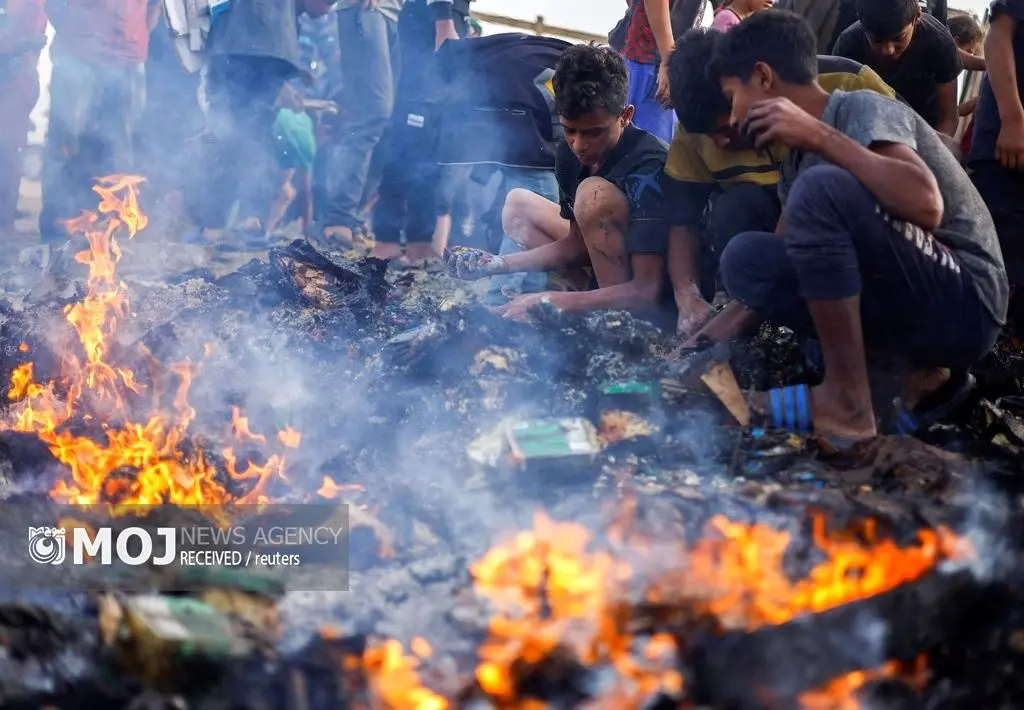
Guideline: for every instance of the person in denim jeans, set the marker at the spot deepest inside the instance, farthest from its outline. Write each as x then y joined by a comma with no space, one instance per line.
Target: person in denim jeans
501,118
22,36
97,94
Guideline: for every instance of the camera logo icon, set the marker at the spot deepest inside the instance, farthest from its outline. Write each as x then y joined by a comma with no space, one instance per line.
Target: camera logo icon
46,545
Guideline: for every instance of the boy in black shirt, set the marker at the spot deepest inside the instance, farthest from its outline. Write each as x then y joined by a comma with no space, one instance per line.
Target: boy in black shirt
913,52
609,217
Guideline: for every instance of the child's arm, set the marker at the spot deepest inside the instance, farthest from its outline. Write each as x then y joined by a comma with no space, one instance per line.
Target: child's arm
968,106
949,114
660,18
972,62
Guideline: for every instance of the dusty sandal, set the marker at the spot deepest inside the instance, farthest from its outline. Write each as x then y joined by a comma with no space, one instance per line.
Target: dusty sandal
934,407
789,409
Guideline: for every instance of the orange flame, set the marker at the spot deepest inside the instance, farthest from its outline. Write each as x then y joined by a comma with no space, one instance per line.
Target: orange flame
140,461
394,681
554,593
841,693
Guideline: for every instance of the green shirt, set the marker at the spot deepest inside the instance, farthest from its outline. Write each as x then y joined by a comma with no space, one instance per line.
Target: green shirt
294,140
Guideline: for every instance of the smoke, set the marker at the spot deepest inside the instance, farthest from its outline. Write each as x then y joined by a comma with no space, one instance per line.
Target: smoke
986,529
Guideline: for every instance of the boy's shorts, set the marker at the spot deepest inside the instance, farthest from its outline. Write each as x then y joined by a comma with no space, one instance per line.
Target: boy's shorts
294,140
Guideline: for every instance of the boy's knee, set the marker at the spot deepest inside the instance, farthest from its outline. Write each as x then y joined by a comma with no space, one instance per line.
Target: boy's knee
825,200
740,208
824,187
600,201
517,214
742,267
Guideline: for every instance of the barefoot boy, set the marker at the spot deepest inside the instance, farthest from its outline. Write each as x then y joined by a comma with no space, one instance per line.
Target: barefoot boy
609,218
883,243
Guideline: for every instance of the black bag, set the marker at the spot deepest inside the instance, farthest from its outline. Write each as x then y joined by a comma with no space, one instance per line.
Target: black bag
685,14
617,37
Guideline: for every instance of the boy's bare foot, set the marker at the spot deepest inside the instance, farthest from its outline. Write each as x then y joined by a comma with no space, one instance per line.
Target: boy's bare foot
833,413
342,235
386,250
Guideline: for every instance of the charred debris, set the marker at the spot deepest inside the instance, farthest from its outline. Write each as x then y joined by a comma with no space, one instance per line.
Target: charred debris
444,425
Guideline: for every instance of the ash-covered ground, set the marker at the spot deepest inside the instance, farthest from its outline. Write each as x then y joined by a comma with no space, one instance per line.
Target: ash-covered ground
391,377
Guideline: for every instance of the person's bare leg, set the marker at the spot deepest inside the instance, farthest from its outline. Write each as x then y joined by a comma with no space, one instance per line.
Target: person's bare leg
841,405
442,232
603,215
532,221
285,196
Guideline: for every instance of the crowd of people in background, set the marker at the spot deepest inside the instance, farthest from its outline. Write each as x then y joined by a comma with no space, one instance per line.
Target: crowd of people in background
803,162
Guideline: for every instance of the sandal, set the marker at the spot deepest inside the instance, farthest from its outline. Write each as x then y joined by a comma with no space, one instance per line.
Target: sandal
934,407
789,410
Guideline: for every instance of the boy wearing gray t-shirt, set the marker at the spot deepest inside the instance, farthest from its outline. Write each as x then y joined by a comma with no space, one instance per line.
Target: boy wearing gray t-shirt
884,244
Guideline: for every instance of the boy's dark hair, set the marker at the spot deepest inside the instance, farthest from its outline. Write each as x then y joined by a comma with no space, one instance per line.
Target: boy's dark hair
966,30
884,19
696,93
781,39
589,77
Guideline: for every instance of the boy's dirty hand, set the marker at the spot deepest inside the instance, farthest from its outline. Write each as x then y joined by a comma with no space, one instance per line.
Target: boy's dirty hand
470,264
780,120
519,306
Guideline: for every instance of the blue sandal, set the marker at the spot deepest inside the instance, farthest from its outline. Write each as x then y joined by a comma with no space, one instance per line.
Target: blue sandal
790,409
934,407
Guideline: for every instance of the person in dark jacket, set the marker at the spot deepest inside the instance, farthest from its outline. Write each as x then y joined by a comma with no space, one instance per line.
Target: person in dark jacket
253,50
499,118
406,210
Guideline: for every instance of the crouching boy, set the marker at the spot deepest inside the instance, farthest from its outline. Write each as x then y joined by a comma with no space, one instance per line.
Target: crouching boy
608,230
883,243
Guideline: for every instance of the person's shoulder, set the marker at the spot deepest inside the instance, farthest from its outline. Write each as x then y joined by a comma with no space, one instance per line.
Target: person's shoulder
865,107
1013,8
865,99
935,30
830,64
853,32
644,144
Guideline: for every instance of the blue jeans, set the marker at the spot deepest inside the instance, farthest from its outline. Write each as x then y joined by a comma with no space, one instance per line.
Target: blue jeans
93,113
370,61
915,301
543,183
650,115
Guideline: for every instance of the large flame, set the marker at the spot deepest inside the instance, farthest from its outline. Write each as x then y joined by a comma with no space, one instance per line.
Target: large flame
142,458
841,693
555,593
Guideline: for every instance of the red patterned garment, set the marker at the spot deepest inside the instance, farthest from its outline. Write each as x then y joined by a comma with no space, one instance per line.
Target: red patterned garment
640,45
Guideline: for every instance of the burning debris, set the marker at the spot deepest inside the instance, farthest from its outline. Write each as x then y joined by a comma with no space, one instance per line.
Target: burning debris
683,558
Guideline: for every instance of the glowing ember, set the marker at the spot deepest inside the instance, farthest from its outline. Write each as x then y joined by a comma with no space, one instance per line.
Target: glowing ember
92,388
840,694
394,680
